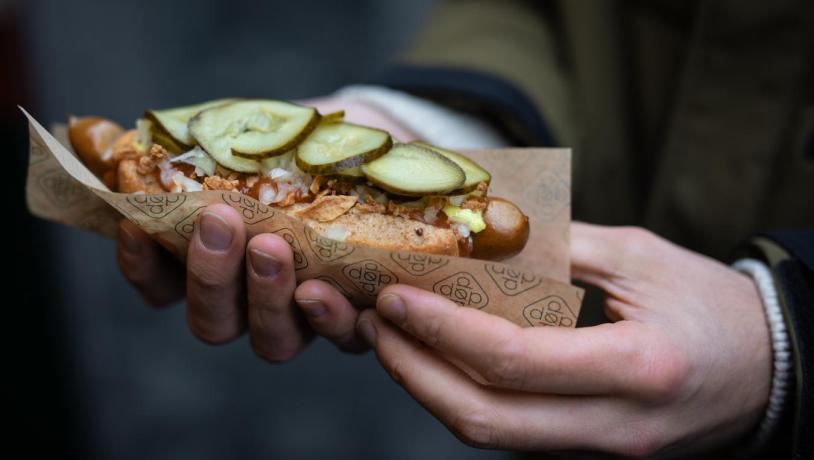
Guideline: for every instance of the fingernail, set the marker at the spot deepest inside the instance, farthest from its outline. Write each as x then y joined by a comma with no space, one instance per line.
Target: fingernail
264,264
130,242
216,234
312,307
368,331
392,307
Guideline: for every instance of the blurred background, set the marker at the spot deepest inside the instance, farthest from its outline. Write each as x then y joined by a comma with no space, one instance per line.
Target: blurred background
96,374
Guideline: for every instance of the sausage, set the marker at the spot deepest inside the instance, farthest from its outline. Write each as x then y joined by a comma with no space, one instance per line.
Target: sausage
506,232
92,138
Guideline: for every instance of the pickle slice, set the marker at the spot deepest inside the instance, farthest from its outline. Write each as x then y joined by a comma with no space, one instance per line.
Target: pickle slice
412,170
352,172
333,117
172,123
256,129
241,133
220,147
475,174
165,140
336,146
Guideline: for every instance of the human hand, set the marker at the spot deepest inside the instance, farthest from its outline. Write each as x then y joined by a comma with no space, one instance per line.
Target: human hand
686,364
224,296
230,285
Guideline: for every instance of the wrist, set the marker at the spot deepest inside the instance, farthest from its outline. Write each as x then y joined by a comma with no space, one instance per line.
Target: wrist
780,350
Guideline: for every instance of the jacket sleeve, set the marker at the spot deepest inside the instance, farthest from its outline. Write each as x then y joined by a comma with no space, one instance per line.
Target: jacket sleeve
498,59
790,257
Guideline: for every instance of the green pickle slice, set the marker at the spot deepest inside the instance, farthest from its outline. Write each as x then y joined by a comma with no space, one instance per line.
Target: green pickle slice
256,128
240,134
333,117
334,147
413,170
475,174
170,125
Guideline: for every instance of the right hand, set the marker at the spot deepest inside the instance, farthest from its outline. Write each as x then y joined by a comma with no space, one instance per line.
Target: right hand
364,114
226,296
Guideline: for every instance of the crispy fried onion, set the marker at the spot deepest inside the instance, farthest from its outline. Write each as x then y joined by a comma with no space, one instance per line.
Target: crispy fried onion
327,207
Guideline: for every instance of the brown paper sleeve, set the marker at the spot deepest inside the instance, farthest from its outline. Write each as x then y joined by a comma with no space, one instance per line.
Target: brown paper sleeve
531,289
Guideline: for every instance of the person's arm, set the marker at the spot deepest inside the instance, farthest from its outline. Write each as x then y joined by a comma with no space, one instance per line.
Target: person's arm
687,364
788,261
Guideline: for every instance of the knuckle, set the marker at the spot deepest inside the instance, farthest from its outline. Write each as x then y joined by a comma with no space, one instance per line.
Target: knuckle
140,279
433,332
509,366
396,371
275,355
475,428
205,277
210,335
635,234
636,240
664,373
131,270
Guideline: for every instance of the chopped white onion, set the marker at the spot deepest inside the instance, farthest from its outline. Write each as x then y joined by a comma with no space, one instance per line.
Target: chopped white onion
457,200
185,184
279,173
364,191
430,215
461,229
204,164
267,194
337,232
167,172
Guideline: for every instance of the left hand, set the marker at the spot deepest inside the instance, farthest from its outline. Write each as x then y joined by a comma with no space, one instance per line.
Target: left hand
686,362
234,284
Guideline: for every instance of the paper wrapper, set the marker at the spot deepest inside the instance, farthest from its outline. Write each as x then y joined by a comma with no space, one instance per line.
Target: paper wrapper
530,289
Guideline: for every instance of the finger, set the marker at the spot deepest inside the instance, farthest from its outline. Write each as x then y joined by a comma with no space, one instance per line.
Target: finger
157,276
620,261
278,331
215,286
487,418
595,253
594,360
330,315
612,256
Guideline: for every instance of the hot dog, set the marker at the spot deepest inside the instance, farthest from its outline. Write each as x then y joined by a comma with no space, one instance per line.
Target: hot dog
347,182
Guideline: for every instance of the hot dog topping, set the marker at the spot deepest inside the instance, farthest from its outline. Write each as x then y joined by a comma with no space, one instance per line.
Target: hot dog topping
282,153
